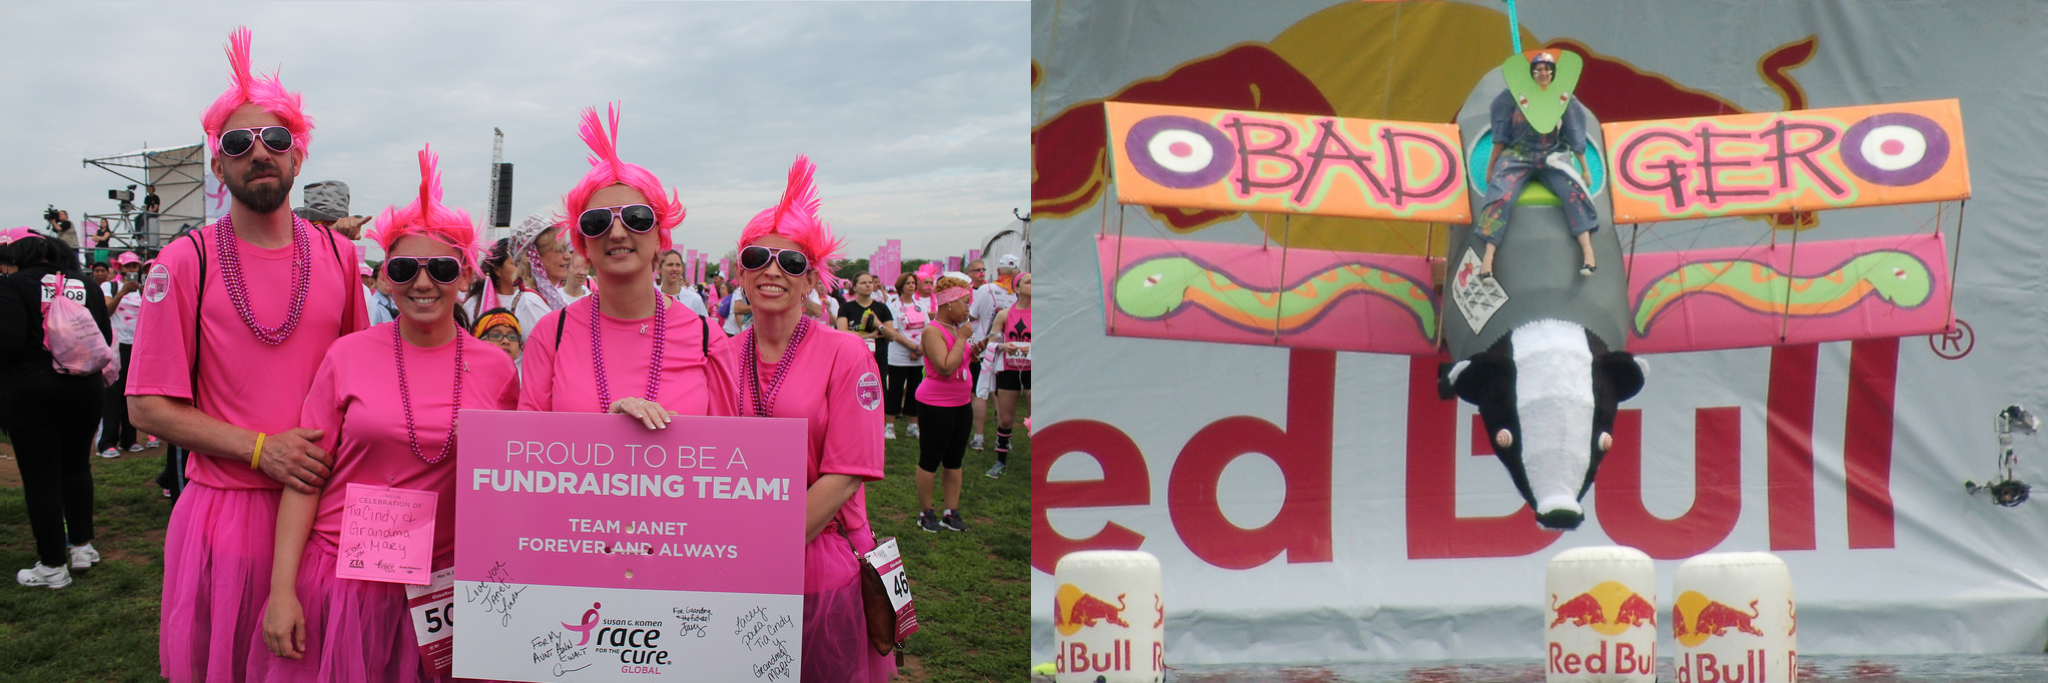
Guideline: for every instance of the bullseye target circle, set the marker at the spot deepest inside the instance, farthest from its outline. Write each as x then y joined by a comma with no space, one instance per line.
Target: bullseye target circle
1895,149
1179,152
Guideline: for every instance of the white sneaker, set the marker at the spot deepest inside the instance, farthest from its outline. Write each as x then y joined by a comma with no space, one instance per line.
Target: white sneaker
135,448
912,431
84,556
888,431
976,444
46,577
111,453
152,443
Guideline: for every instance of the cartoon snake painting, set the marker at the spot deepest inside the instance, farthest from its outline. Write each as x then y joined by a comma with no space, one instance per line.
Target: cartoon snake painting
1895,276
1160,287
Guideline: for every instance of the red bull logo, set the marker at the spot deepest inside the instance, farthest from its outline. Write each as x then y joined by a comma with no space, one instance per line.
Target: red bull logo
1609,608
1074,609
1695,618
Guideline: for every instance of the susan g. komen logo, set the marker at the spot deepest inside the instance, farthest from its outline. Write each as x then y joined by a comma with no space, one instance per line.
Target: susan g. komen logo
868,391
589,623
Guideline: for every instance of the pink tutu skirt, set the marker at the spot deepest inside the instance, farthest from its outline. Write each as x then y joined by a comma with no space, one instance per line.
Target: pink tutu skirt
217,553
355,630
835,625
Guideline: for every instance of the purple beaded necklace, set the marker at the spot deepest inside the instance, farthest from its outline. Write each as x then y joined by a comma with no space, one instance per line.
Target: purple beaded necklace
764,400
227,249
405,396
604,385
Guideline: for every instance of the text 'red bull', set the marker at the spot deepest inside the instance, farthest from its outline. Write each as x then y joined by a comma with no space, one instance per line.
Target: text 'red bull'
1706,668
1625,660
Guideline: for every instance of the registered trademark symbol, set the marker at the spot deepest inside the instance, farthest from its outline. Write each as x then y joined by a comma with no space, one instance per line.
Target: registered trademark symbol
1955,343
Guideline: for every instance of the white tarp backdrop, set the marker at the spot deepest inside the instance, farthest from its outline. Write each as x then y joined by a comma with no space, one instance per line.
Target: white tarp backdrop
1310,505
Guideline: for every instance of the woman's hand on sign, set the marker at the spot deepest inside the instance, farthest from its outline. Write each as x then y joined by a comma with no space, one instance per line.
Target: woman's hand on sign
647,412
284,626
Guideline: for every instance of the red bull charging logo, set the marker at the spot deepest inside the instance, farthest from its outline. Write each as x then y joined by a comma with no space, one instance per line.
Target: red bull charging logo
1609,608
1695,618
1075,610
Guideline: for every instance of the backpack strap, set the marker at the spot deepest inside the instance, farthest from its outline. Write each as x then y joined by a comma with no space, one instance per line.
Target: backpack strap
347,280
198,311
562,321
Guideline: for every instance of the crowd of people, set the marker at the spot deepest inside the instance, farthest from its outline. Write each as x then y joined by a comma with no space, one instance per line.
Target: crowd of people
281,379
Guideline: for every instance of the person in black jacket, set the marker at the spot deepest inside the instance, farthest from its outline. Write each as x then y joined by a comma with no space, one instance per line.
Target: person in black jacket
49,415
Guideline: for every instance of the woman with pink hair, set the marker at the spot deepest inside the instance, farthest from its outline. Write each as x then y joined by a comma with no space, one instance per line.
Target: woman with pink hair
588,357
386,400
793,366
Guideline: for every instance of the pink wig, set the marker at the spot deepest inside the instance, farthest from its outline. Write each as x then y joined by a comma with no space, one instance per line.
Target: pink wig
607,170
796,218
427,216
265,92
928,271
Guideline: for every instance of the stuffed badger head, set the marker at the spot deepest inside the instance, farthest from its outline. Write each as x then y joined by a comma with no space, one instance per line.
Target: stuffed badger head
1547,394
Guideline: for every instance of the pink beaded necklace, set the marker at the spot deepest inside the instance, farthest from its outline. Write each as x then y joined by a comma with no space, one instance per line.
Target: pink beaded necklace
604,385
764,401
405,396
227,249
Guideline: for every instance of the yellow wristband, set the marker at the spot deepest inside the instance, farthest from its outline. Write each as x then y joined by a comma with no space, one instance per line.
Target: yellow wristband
258,456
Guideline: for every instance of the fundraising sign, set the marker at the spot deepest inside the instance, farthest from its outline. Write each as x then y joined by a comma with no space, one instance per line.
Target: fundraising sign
590,548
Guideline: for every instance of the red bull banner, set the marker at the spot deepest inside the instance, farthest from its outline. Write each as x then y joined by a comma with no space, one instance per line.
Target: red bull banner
1807,160
1272,296
1286,163
1788,293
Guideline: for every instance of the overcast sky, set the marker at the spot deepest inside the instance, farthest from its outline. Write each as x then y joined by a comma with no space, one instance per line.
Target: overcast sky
916,113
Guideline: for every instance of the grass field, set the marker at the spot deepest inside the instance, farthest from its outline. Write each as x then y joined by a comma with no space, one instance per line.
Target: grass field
972,589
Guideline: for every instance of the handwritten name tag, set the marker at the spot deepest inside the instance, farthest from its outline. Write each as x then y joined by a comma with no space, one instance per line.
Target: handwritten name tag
387,535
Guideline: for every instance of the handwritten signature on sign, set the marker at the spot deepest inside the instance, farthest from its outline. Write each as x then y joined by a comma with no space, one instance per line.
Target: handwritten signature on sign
757,630
694,620
496,594
556,646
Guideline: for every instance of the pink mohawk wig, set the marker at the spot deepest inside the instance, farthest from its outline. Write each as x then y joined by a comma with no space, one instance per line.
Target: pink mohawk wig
264,92
427,216
796,217
607,170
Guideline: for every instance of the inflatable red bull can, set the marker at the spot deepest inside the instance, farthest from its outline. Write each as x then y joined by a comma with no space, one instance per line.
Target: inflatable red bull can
1734,620
1109,618
1601,622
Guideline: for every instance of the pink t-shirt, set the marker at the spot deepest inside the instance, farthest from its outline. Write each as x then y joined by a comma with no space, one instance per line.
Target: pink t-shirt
1017,330
833,384
564,379
952,390
355,399
242,381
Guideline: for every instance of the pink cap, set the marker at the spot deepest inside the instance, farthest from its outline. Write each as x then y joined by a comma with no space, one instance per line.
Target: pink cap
127,257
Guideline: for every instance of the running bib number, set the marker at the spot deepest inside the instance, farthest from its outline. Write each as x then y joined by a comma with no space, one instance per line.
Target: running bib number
889,564
433,621
73,289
